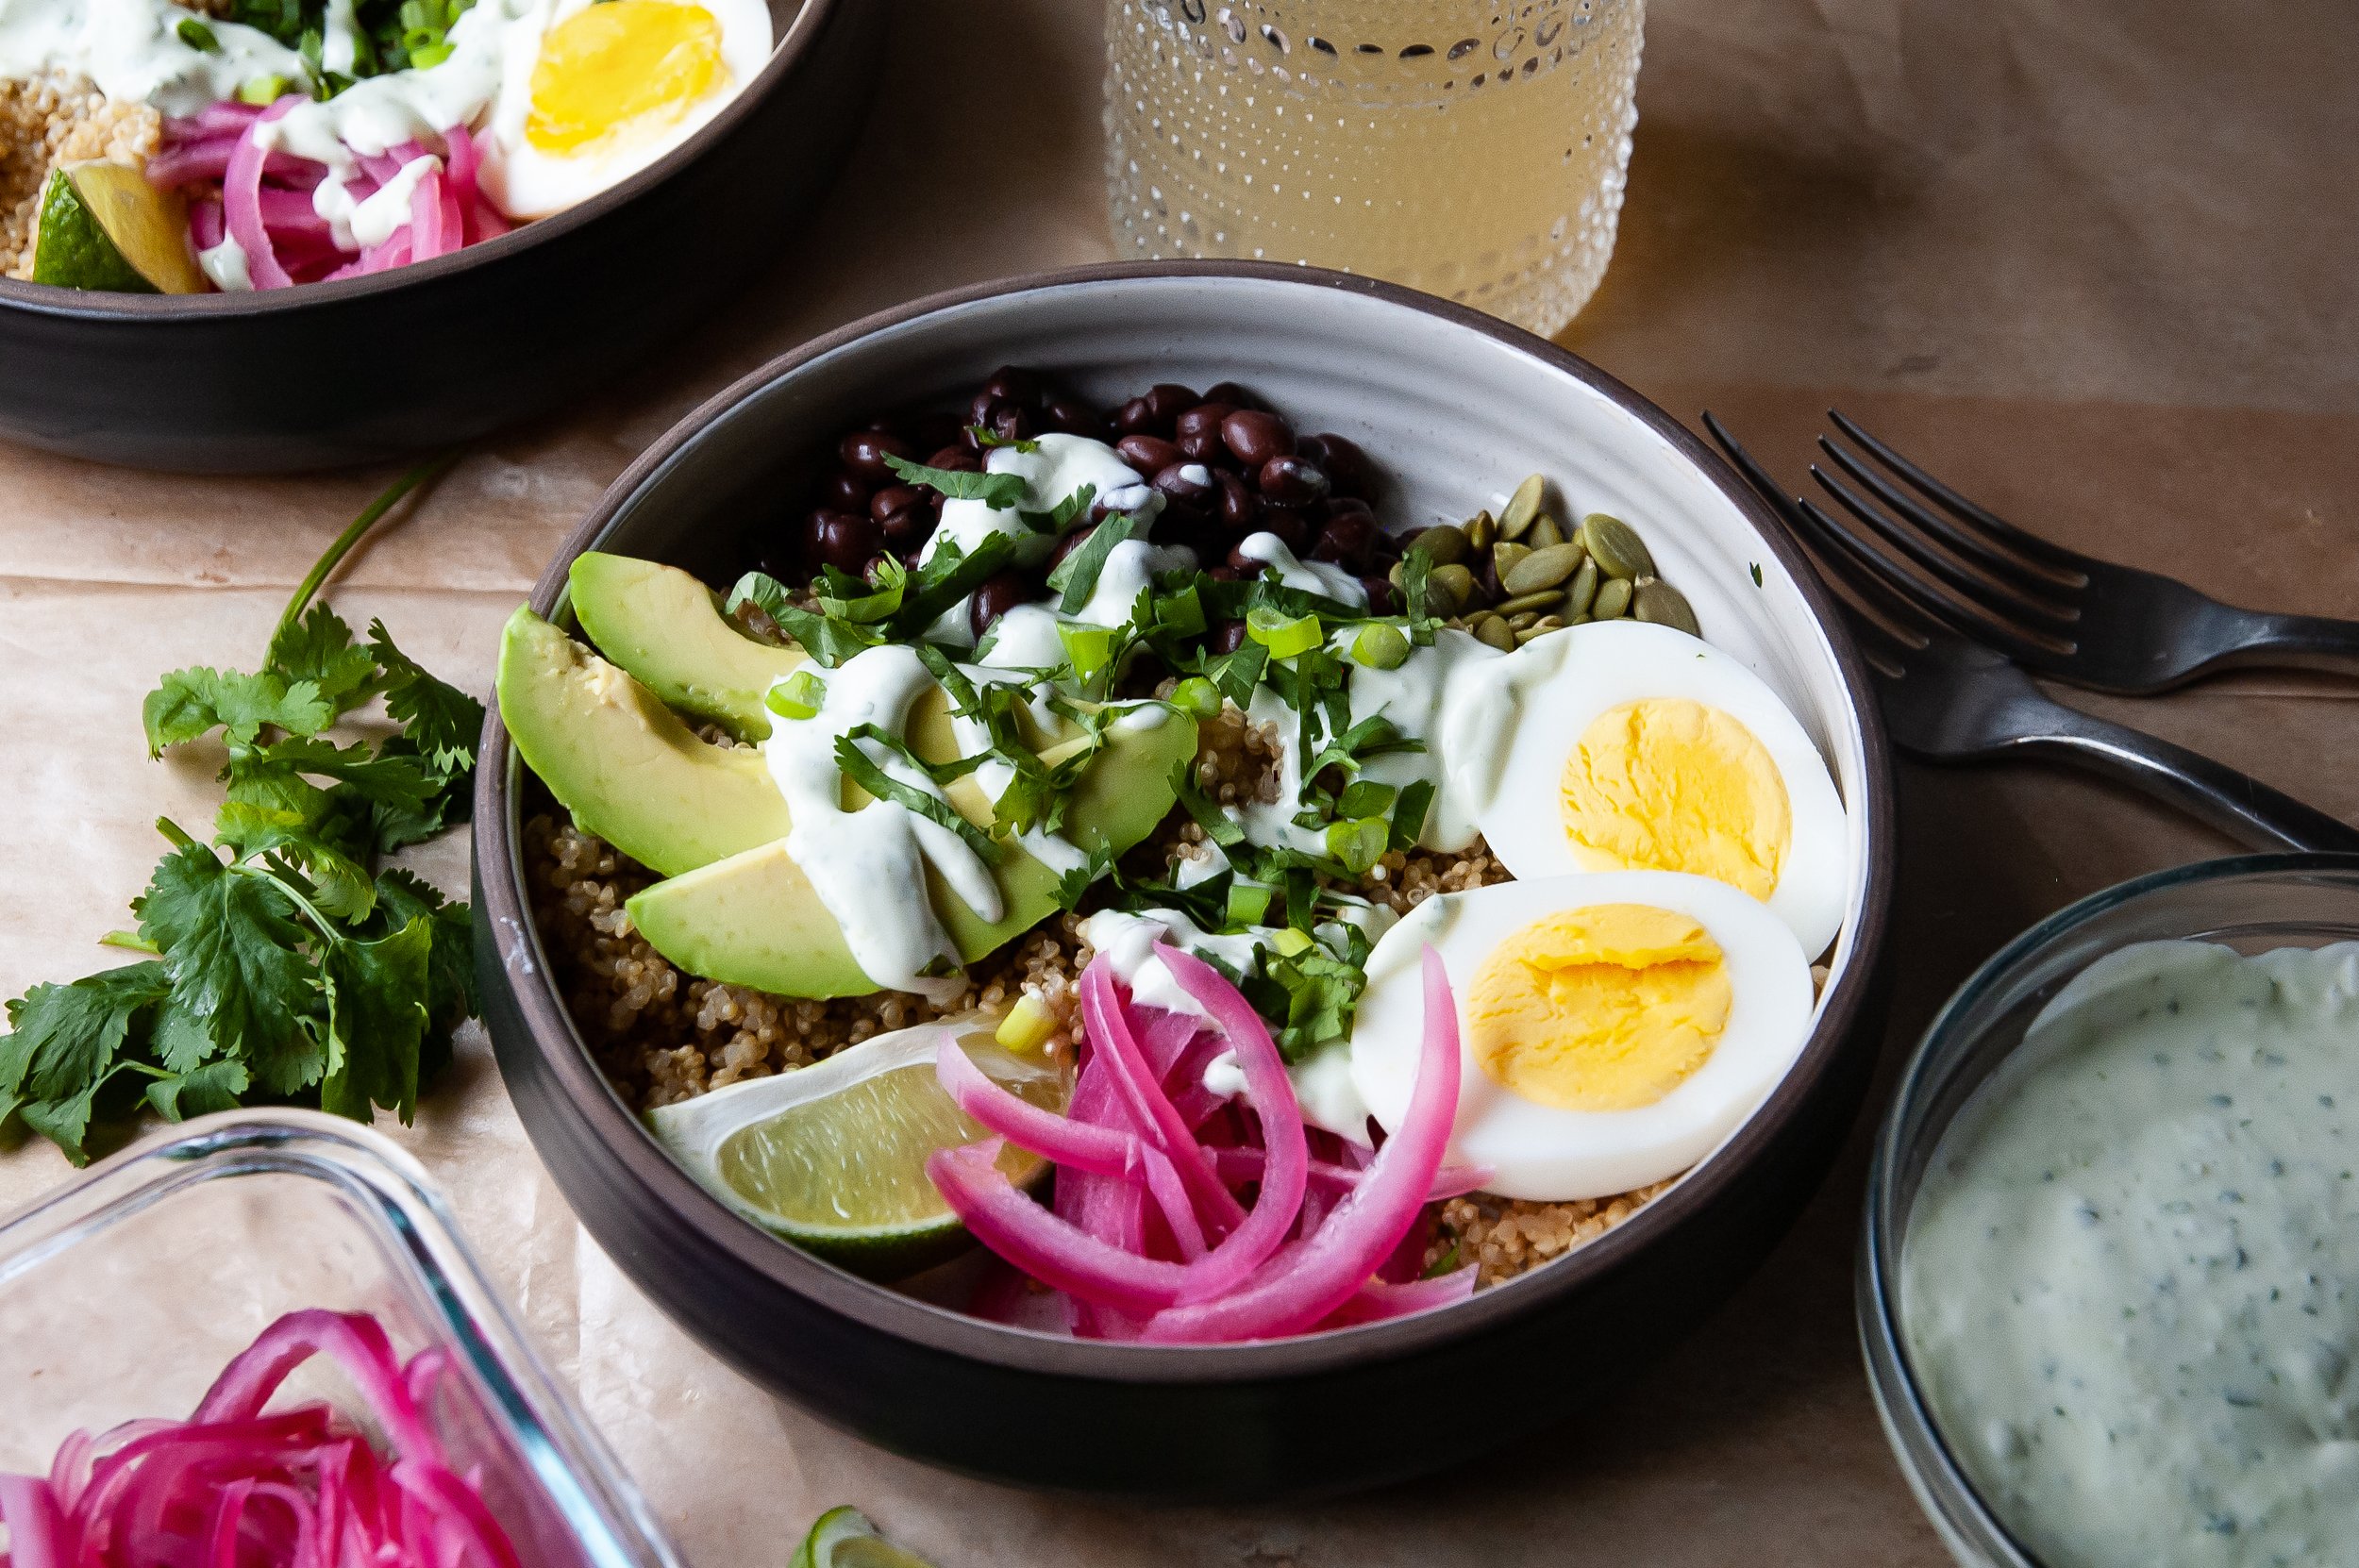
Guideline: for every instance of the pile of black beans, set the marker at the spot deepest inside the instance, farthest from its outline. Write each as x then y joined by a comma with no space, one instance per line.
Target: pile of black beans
1228,466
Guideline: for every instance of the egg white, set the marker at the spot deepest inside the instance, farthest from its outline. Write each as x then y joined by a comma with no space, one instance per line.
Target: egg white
523,182
1556,1156
1507,746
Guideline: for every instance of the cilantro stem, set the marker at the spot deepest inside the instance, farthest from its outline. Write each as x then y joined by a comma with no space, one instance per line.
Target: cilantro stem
432,469
174,832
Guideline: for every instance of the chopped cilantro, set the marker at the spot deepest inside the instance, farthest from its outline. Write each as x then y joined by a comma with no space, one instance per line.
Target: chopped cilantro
999,491
1057,519
869,775
987,438
1075,576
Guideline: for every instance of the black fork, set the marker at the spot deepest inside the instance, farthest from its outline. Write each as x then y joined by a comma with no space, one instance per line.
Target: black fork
1948,700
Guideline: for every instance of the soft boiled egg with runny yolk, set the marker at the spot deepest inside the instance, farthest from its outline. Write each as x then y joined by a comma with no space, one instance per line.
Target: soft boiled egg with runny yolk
606,87
1613,1028
1626,746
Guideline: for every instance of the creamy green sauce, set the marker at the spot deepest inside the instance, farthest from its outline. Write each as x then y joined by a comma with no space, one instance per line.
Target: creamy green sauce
2131,1281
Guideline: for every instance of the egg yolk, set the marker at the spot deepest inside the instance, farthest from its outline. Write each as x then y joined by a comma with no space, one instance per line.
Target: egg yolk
1608,1008
1669,784
609,64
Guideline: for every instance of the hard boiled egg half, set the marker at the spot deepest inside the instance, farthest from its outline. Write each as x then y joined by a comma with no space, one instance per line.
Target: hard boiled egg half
1622,745
1615,1027
607,86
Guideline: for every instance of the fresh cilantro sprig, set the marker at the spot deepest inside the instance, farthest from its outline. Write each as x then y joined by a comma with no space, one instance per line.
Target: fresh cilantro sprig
999,491
282,961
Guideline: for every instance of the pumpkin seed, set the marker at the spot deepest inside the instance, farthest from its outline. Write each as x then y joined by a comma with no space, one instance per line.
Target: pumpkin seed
1657,601
1495,632
1452,584
1521,619
1444,545
1583,591
1541,569
1394,577
1541,627
1545,532
1522,507
1546,598
1481,530
1580,620
1619,552
1505,554
1380,645
1612,600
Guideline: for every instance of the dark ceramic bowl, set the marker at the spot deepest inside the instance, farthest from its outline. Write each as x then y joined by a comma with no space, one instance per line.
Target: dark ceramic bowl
1455,404
425,357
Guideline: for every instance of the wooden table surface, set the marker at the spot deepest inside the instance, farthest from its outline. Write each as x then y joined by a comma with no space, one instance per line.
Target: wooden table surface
2092,260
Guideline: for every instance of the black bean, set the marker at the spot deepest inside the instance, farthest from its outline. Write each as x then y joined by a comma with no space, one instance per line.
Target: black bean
1014,424
1291,481
1347,538
1256,437
1228,637
908,528
1240,509
937,428
1292,527
1014,384
1229,392
1348,468
843,540
1179,523
1189,483
1134,417
1380,596
994,598
980,410
957,460
1070,543
1075,418
892,499
1198,431
843,491
864,452
1149,454
1168,401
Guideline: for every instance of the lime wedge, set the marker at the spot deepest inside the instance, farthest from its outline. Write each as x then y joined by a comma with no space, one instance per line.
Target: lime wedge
844,1537
104,226
832,1157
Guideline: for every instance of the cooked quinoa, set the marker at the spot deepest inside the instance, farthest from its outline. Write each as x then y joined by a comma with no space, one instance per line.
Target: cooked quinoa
662,1036
45,121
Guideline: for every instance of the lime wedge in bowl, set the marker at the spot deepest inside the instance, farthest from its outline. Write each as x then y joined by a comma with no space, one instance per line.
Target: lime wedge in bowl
844,1537
832,1157
104,226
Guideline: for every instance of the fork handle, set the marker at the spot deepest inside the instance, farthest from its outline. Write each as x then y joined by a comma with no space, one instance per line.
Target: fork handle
2305,641
2236,802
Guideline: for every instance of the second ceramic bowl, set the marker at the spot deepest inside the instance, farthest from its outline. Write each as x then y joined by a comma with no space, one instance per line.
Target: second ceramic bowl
1453,404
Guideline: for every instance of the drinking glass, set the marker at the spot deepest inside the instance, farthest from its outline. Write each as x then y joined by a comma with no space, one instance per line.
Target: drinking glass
1476,149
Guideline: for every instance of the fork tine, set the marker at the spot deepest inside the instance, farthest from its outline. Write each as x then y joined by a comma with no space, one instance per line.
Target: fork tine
1895,580
2030,544
1870,607
1971,595
2010,569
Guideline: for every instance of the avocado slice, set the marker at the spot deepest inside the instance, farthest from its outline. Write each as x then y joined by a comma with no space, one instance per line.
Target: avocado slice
666,628
623,763
755,920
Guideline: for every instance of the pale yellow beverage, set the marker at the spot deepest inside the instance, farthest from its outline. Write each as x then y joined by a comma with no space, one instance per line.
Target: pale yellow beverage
1474,150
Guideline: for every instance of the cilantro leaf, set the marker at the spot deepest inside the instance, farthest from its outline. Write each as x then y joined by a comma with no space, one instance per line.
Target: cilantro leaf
1217,825
988,437
376,1019
865,771
1075,576
319,648
1060,517
947,576
999,492
340,883
402,896
828,639
190,703
444,723
66,1036
215,1086
234,952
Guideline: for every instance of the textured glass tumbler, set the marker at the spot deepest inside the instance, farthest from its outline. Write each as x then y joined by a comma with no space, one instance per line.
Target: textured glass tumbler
1476,149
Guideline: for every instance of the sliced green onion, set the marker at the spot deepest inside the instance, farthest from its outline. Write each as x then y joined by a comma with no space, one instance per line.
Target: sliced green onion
1249,903
263,91
432,55
798,696
1290,941
1196,697
1285,636
1380,646
1360,843
1181,614
1088,648
198,36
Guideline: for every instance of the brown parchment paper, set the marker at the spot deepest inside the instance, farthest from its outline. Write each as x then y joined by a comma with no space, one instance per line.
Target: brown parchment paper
2091,259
